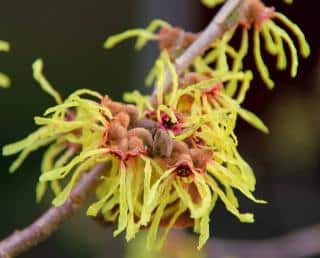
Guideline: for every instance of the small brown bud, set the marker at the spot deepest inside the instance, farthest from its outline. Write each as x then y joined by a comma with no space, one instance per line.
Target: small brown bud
123,119
147,124
117,131
123,144
135,143
254,12
115,107
200,157
142,134
133,114
180,147
180,152
162,143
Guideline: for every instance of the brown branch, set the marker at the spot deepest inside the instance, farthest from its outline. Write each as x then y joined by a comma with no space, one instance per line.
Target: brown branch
49,222
301,243
219,25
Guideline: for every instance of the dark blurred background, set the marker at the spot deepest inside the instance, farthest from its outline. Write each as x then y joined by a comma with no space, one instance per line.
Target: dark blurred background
69,35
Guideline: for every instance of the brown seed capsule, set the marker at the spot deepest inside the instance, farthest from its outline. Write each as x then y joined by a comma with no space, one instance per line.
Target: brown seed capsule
147,124
142,134
113,106
162,143
117,131
133,114
123,144
180,152
123,119
180,147
200,157
254,12
135,143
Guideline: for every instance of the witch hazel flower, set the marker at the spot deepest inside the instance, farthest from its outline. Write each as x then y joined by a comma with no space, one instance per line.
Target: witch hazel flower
161,168
200,152
254,15
223,56
166,164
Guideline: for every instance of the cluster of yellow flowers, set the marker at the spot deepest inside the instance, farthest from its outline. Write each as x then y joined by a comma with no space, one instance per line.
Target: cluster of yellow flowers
253,15
166,164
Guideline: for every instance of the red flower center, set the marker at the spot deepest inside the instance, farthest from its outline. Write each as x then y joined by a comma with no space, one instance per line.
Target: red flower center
167,122
183,170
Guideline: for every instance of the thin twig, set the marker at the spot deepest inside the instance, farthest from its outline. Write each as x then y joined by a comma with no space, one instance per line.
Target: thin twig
49,222
301,243
217,27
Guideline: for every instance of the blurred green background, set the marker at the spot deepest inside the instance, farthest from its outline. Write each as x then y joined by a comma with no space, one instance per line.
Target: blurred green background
69,35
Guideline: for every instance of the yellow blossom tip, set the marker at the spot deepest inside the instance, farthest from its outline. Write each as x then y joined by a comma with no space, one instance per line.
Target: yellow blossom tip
153,26
288,1
5,81
116,39
261,66
253,120
211,3
4,46
37,68
303,43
